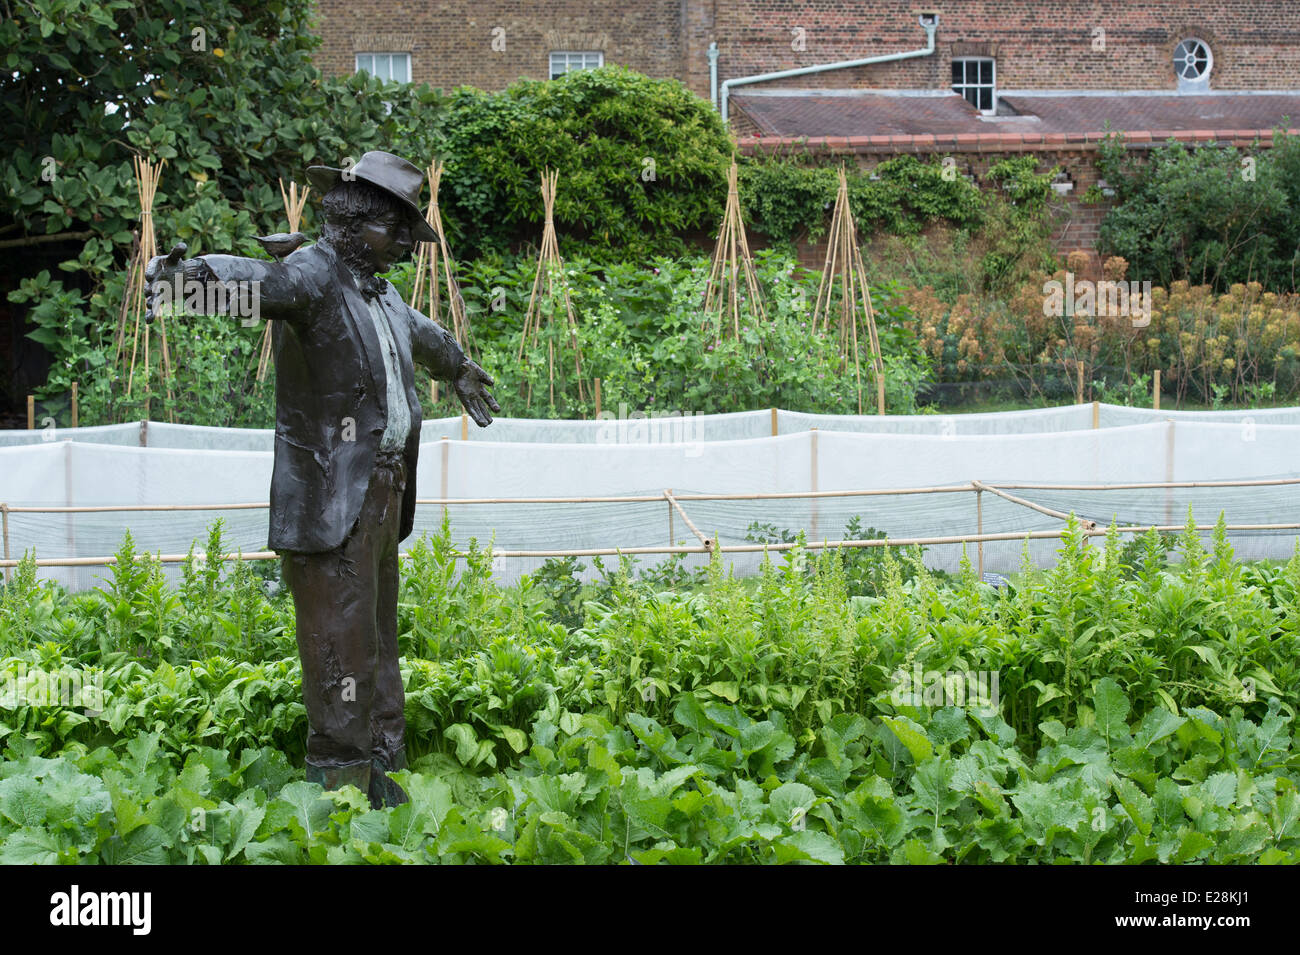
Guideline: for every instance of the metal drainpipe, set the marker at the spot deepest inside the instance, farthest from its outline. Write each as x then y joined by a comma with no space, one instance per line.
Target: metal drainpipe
713,73
930,23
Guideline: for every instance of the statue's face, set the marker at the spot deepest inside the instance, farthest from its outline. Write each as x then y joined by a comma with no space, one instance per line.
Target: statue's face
387,239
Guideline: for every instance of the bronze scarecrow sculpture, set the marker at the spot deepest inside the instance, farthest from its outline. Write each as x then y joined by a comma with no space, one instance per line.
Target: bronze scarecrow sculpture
347,435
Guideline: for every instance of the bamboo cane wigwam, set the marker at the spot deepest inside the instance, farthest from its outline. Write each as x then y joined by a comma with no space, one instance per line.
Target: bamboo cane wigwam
133,302
294,203
549,266
844,260
427,266
731,260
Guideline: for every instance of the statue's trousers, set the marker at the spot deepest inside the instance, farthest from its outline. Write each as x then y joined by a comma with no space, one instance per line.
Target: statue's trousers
346,604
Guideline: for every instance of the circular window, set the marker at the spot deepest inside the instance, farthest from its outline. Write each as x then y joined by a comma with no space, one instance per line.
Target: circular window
1192,60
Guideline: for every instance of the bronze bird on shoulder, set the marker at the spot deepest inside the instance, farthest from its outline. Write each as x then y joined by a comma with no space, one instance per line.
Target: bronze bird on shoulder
281,243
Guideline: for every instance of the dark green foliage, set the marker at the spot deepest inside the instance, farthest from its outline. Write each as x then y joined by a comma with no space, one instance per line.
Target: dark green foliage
641,163
1210,215
902,195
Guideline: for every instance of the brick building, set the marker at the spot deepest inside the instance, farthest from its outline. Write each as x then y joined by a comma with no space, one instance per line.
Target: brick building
976,79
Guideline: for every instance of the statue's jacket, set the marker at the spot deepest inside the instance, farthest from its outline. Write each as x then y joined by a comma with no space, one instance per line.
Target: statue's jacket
330,390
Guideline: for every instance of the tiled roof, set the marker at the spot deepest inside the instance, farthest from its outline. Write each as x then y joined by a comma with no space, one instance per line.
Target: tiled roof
880,119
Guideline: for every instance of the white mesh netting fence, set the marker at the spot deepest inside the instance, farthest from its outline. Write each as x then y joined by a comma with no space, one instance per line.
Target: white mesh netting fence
710,463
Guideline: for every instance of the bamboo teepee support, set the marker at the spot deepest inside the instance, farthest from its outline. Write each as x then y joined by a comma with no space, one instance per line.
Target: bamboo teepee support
844,260
731,259
134,299
294,203
549,264
426,270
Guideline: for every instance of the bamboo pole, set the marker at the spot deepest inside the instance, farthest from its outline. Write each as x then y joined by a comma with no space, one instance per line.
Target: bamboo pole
732,263
294,203
812,481
672,501
844,261
1169,469
549,265
723,548
147,175
1155,391
69,522
979,527
1050,512
427,267
650,498
4,520
446,451
670,518
1243,482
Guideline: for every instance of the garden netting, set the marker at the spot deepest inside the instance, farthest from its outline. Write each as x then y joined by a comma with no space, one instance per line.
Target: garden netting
728,455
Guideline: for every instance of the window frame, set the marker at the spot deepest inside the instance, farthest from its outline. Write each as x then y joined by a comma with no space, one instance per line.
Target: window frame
567,54
1204,78
372,54
992,86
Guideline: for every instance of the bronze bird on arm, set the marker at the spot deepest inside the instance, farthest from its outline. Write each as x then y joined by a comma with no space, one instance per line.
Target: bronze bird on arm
281,244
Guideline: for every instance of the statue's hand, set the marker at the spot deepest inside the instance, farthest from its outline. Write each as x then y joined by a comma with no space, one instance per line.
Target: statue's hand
471,385
160,277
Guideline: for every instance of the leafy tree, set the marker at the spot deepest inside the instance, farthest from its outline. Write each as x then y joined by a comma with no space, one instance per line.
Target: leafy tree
1209,215
641,164
226,93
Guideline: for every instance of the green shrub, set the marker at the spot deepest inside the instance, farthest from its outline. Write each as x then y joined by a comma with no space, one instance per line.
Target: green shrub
1209,215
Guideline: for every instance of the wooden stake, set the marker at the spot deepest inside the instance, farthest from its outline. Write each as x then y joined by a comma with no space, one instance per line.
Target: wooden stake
294,202
1155,391
979,528
812,482
844,263
464,427
433,388
446,450
31,412
550,265
774,422
1078,365
74,404
4,519
1096,414
668,493
597,397
427,268
147,175
731,262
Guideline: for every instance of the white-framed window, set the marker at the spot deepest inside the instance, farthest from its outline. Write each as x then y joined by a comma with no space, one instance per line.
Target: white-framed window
566,61
386,66
1193,62
975,78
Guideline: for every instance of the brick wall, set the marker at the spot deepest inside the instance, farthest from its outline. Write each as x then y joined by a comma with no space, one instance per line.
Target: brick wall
1045,44
452,42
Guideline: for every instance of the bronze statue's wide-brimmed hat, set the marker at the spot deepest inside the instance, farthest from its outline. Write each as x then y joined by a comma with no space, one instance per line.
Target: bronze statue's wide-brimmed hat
393,174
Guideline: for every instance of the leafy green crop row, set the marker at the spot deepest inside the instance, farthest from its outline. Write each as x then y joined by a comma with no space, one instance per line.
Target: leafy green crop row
1142,711
715,786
